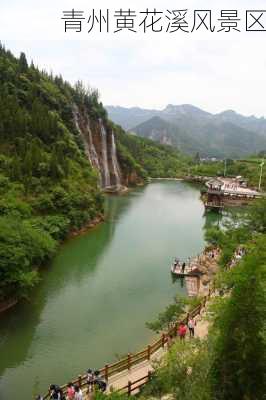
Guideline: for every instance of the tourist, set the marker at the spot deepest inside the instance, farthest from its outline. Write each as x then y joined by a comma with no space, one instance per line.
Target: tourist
70,391
90,379
99,382
78,393
191,327
56,393
182,330
169,341
183,267
39,397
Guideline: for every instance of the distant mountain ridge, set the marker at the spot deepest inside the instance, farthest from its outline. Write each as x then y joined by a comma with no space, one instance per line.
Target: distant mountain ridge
191,129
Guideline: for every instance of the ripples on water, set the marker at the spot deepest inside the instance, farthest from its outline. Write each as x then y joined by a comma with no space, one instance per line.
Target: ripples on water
100,290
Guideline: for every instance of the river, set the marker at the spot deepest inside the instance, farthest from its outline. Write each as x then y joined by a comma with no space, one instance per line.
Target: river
94,299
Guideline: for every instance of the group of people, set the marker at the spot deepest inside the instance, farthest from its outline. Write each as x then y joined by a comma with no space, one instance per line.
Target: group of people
95,381
73,391
178,266
231,186
183,330
213,253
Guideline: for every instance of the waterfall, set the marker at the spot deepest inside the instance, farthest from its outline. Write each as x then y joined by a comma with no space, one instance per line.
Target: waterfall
100,149
106,172
93,153
87,139
115,162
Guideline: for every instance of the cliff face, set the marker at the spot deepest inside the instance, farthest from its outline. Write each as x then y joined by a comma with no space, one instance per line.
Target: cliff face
100,148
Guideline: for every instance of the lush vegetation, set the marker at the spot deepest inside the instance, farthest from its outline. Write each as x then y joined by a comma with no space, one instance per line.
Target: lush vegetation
230,363
47,186
156,161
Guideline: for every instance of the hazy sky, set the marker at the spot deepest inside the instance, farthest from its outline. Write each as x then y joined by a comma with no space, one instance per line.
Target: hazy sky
213,71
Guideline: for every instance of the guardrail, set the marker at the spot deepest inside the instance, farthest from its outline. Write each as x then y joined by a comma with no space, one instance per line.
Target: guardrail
126,363
134,386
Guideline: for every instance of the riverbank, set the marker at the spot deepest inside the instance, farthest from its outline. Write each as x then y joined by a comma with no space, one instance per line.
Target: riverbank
8,304
89,225
115,276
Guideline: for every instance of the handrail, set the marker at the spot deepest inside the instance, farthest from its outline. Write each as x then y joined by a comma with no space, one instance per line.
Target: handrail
133,359
130,387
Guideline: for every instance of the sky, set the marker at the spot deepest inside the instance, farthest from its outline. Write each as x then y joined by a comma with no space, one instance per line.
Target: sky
214,71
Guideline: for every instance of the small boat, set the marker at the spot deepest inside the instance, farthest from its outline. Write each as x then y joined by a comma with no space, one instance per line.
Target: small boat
176,269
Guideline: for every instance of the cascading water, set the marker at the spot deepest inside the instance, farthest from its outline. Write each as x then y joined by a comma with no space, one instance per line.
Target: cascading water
115,163
106,172
100,148
93,153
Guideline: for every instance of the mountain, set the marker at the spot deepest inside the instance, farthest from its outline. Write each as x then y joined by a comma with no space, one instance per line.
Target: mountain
192,130
129,117
58,153
251,123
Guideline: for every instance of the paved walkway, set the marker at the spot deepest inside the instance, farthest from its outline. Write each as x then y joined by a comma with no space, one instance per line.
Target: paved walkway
142,369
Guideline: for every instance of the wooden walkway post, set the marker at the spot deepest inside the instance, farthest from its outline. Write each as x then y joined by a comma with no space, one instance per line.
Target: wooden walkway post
163,340
80,381
148,352
129,388
128,361
149,376
106,372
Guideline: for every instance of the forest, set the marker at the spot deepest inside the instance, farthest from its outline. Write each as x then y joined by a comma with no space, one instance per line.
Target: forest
47,185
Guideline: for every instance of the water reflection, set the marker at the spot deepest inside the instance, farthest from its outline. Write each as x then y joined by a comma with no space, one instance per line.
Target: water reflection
100,290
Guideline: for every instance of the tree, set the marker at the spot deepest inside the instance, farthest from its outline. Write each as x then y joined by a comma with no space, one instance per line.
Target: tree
257,215
239,352
22,63
171,314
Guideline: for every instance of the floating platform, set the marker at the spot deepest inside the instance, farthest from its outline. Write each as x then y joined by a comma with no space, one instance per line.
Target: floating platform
189,271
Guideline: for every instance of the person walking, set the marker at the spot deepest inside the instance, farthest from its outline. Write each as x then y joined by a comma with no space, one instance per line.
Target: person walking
70,391
191,327
183,267
182,330
78,393
90,380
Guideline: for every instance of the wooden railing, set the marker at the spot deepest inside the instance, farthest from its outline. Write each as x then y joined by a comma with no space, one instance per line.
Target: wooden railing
134,386
128,362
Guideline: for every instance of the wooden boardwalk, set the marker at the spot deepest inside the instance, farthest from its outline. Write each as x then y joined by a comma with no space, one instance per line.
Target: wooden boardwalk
132,372
130,381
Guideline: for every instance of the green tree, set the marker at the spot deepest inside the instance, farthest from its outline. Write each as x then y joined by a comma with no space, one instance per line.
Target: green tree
171,314
23,64
239,353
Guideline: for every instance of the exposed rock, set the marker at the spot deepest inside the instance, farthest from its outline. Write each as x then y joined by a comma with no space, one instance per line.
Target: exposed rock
100,147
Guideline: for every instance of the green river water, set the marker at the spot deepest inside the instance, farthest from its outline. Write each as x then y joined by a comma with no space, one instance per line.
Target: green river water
96,296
